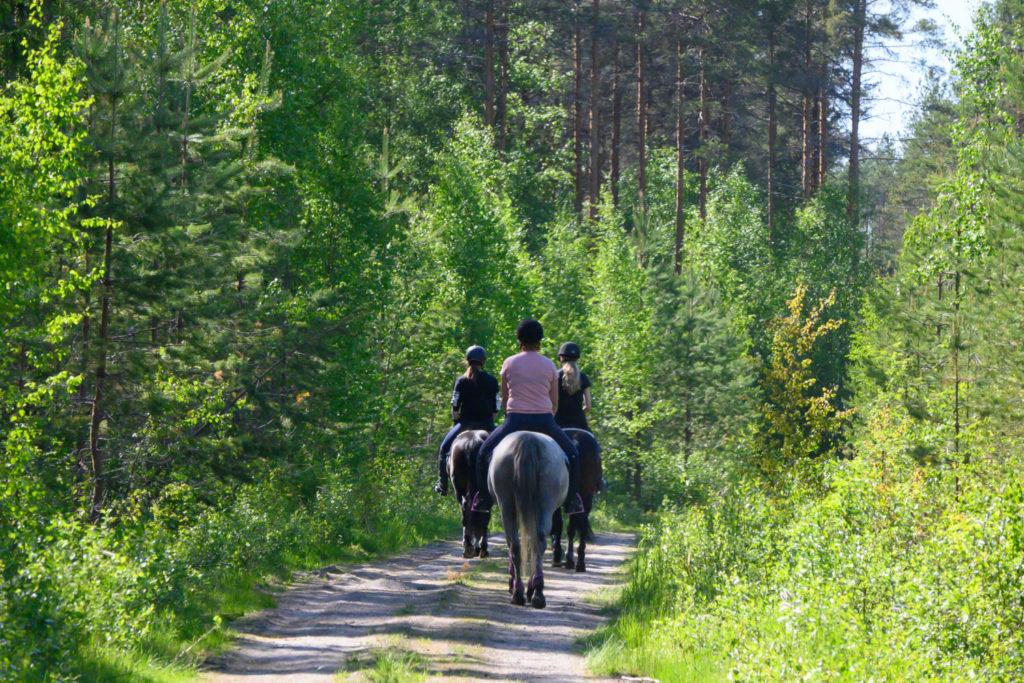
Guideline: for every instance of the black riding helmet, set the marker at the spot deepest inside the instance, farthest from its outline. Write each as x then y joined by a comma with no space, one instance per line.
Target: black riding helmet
569,350
529,331
476,354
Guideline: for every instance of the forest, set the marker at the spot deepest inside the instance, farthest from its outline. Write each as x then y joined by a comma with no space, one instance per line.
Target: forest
244,243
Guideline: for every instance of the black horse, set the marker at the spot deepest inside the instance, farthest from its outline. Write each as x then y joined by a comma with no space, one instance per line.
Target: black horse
461,469
589,484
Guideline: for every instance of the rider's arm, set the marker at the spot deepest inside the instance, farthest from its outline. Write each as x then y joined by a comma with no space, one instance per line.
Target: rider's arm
456,401
504,390
553,392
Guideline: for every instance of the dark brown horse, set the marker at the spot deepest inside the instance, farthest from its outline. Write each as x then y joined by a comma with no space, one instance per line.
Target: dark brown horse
461,466
589,485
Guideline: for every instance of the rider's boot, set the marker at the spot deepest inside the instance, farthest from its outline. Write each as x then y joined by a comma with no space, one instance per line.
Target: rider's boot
442,476
482,500
573,501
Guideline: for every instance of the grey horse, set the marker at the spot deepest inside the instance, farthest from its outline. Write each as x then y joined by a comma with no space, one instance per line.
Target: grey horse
528,477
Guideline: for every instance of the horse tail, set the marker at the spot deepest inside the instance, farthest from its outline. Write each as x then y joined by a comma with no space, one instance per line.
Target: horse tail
527,496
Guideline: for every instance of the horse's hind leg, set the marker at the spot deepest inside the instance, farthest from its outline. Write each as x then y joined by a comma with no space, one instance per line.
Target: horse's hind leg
570,560
515,555
467,523
536,587
485,524
467,539
515,581
581,562
556,538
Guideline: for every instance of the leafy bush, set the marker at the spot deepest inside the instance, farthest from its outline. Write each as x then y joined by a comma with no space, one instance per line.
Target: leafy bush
888,576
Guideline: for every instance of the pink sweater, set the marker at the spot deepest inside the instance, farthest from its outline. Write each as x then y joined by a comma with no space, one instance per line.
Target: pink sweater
530,381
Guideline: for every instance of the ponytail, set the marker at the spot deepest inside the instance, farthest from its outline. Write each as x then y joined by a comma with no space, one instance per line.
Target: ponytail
570,376
472,369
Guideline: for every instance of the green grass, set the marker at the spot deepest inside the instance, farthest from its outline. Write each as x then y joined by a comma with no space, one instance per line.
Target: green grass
132,667
182,640
388,666
636,643
637,647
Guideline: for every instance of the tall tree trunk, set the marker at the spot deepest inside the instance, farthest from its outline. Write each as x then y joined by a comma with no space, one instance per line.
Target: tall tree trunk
687,428
773,134
80,444
577,109
726,126
190,69
502,102
702,135
616,127
807,110
595,104
822,136
859,20
638,480
98,413
680,175
489,63
957,423
641,109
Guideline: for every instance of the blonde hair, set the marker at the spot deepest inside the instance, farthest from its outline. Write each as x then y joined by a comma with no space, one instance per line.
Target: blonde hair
570,376
473,369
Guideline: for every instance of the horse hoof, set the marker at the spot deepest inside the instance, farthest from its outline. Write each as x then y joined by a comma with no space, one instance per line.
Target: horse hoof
580,568
484,554
538,601
468,552
556,563
569,564
518,598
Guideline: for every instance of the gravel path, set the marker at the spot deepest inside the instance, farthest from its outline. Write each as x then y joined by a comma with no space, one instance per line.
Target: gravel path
452,614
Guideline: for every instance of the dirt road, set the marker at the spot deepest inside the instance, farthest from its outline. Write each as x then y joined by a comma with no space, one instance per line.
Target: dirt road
429,612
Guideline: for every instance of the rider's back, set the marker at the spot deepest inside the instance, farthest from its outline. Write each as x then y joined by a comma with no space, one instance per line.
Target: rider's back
476,397
530,377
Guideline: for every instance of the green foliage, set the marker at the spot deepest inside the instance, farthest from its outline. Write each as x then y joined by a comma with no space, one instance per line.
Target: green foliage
801,416
895,561
244,245
733,250
879,578
472,234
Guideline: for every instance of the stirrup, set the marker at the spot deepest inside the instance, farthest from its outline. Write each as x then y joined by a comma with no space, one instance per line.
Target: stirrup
481,502
576,507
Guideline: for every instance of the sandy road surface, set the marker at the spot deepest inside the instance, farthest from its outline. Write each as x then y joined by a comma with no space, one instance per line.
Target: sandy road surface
452,613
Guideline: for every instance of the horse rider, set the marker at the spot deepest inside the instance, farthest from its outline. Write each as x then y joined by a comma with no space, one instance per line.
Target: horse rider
574,400
573,389
529,395
474,406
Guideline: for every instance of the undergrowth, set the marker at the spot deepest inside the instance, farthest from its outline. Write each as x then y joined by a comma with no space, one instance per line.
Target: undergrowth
881,570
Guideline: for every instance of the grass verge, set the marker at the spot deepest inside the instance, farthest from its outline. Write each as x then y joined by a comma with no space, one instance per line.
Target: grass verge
185,639
638,641
391,665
